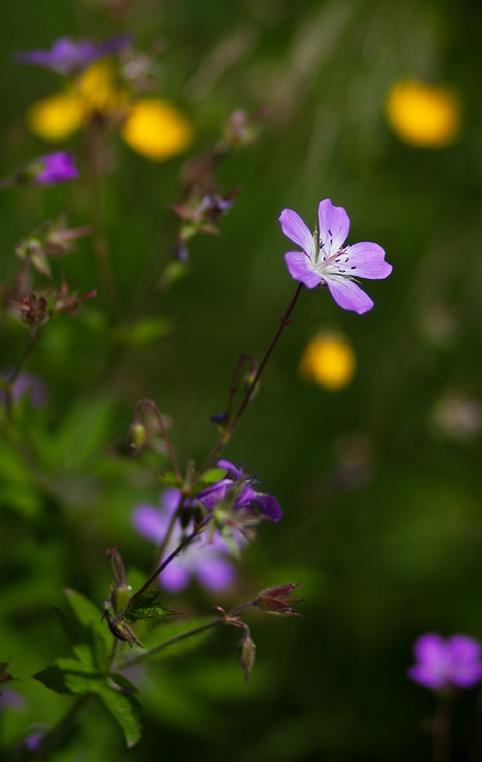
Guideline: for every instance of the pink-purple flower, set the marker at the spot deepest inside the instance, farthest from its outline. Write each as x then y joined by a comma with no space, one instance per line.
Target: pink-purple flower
58,167
325,260
443,664
68,56
205,560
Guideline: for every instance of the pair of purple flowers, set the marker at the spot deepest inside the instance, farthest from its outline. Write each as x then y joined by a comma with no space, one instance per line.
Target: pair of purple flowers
442,665
208,559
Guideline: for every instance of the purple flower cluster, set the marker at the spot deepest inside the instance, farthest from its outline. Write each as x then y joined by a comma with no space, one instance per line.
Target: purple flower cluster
324,260
239,485
443,664
55,168
67,56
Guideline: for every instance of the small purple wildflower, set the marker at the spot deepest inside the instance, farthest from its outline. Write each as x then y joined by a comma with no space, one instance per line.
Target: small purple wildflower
325,261
10,699
26,385
443,664
67,56
204,560
55,168
238,484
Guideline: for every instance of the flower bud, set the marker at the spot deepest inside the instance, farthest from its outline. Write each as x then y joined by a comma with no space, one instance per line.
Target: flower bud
247,654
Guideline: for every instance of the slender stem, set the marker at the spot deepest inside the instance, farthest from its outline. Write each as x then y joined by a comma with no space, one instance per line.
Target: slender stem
171,641
147,403
189,634
228,431
187,541
12,377
475,751
441,730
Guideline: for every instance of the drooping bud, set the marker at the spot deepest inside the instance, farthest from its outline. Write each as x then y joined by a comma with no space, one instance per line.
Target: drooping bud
247,654
138,436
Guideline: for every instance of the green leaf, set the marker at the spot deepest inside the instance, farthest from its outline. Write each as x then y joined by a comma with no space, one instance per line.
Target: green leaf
145,331
124,709
211,476
90,617
69,675
169,479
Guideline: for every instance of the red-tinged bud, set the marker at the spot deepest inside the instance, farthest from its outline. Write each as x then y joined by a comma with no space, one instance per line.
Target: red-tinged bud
34,310
276,600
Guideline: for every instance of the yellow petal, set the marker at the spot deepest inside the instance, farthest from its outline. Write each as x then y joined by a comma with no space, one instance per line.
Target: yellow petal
98,89
56,118
329,361
423,115
156,129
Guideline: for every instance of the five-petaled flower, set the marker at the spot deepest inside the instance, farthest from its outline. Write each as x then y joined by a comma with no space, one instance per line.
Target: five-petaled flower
324,260
443,664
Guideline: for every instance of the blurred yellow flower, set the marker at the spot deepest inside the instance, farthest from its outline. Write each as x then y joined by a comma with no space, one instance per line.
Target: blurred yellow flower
155,129
423,115
152,127
54,119
329,361
98,90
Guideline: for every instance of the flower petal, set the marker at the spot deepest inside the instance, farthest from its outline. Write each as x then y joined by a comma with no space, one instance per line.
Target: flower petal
215,573
297,230
149,522
175,577
465,666
366,260
348,295
334,225
300,268
268,506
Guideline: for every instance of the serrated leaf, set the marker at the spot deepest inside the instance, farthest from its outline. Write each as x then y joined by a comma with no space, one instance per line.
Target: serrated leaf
123,708
68,675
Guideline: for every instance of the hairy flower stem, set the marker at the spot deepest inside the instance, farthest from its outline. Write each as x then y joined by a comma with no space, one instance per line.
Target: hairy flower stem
184,635
182,545
227,433
152,407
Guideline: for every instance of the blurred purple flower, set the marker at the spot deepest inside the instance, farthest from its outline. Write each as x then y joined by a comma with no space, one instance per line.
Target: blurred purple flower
67,56
204,560
238,484
442,664
10,699
325,261
54,168
26,385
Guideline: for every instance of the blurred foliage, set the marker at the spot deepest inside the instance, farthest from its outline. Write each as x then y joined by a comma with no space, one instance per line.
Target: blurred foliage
380,491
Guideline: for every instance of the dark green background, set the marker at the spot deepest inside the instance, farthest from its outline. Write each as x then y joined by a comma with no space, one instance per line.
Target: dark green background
394,556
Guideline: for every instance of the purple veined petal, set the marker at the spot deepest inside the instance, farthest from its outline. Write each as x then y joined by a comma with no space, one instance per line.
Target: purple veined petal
233,471
366,260
334,225
268,506
464,658
175,577
215,573
149,522
300,268
348,295
296,229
